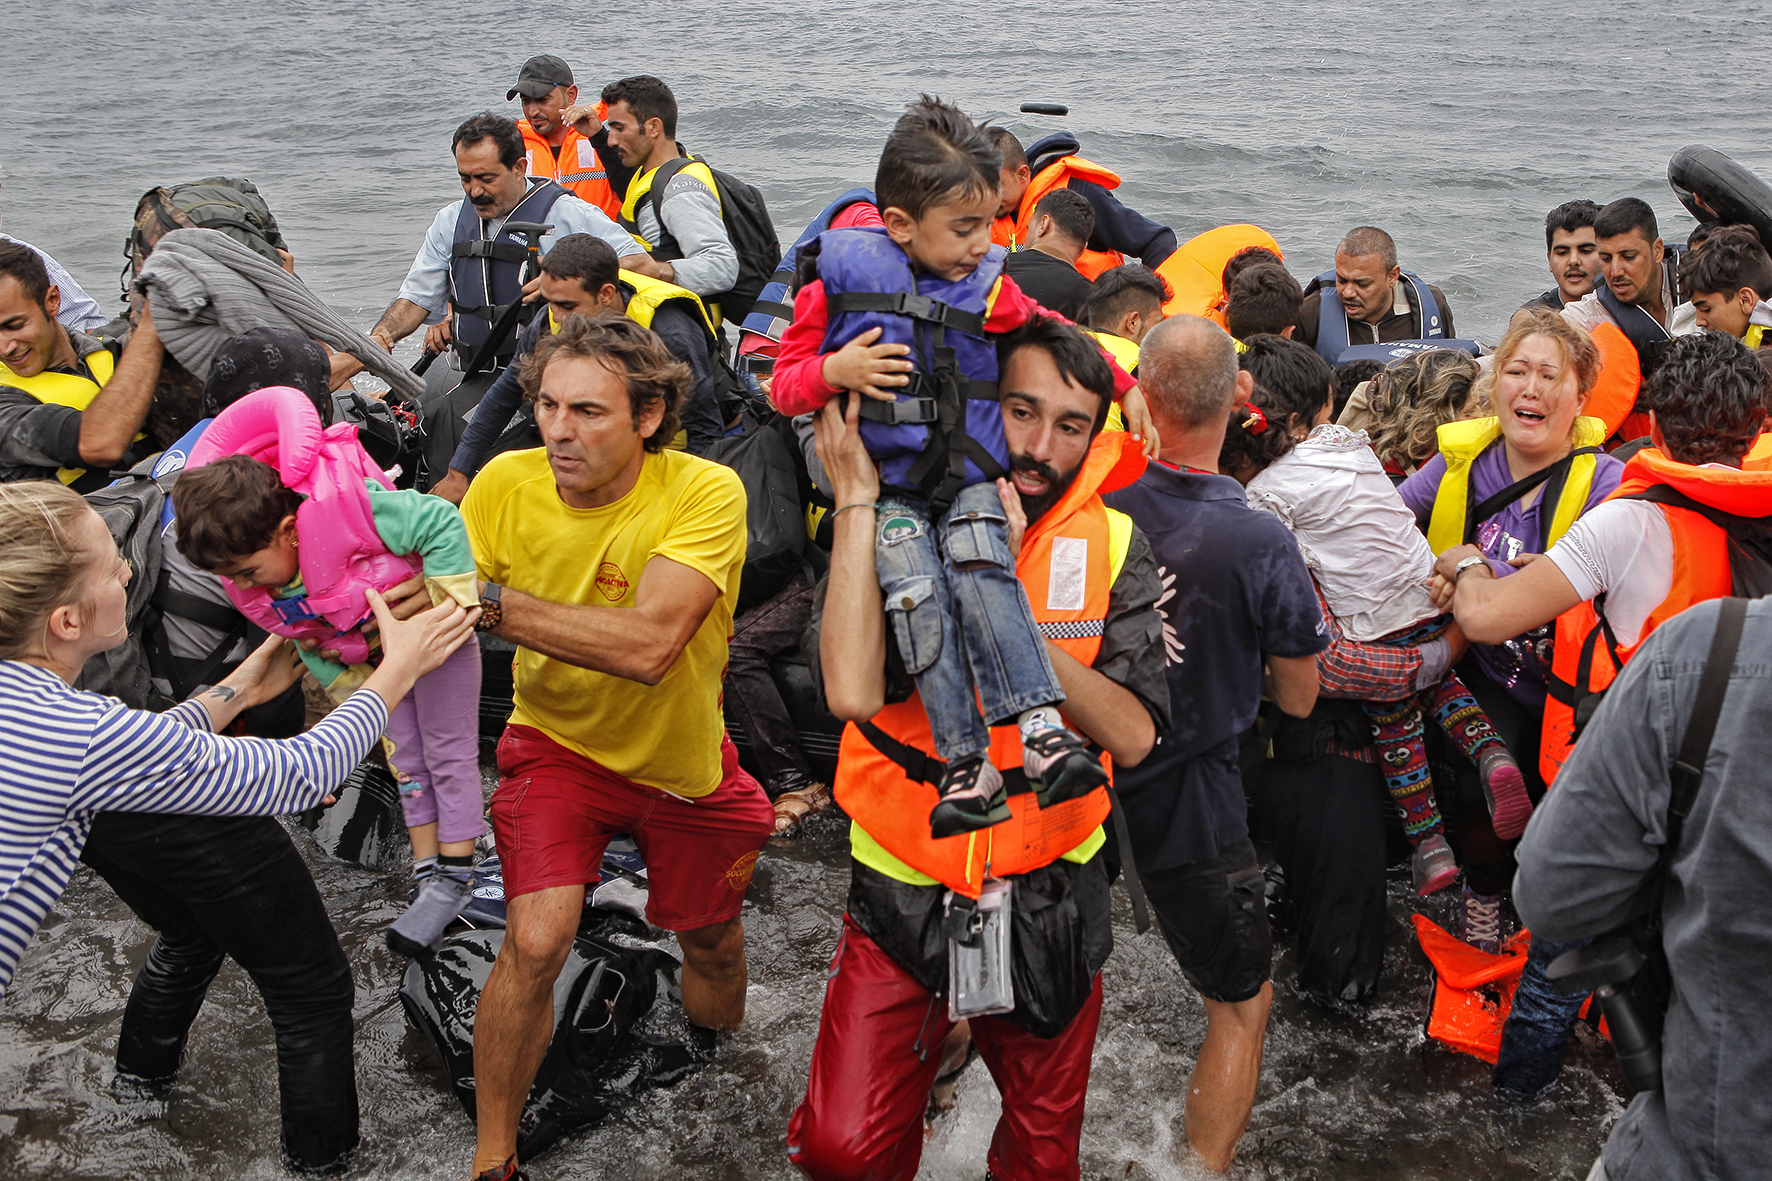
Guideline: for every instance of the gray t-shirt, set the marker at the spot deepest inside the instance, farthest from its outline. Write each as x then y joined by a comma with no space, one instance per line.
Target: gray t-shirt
1591,848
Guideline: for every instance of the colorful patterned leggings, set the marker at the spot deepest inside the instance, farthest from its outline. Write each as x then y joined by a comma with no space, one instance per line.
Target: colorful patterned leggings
1398,728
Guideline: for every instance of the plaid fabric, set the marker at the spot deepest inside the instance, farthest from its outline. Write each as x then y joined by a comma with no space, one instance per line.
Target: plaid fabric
1364,672
1072,629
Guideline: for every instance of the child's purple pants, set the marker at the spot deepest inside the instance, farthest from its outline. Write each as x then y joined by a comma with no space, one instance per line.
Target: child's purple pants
435,736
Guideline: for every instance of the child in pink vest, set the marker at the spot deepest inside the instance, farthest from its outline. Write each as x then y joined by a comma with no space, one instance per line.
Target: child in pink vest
299,522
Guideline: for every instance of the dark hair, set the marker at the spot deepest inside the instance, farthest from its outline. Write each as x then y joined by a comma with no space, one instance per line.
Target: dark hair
1074,355
1348,377
933,154
229,509
1128,287
1709,396
1569,217
1300,383
1008,146
1730,259
1263,299
590,260
1367,240
1701,234
24,264
1070,212
1255,440
652,374
498,129
1623,216
648,98
1242,260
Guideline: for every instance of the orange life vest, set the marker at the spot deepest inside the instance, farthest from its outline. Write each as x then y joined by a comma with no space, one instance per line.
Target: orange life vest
1614,397
578,167
1071,540
1012,230
1700,572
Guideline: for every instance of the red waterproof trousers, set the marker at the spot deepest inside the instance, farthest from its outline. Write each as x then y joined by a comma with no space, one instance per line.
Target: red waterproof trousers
879,1046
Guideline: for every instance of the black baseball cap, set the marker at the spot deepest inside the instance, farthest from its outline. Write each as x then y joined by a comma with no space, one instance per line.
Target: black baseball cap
540,75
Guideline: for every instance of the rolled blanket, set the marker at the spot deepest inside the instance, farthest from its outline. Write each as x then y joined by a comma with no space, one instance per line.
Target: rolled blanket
204,287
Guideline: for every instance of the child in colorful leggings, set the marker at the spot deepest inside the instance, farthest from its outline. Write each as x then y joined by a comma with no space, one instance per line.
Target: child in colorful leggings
297,561
1370,560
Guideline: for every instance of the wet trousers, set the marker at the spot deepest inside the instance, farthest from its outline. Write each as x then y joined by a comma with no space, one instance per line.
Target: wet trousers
1488,861
216,886
433,740
879,1046
1535,1037
753,699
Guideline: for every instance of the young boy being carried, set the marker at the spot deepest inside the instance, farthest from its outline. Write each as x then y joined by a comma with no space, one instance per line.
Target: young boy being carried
903,316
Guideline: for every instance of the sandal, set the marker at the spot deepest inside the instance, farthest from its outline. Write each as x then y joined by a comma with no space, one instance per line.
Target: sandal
793,807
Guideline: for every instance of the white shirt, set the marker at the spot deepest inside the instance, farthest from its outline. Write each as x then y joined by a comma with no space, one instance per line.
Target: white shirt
79,310
1624,548
427,283
1356,534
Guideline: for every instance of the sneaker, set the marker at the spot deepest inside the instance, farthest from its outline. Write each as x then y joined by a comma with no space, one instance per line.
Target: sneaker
1433,865
1505,790
1059,764
505,1172
972,797
1479,921
440,900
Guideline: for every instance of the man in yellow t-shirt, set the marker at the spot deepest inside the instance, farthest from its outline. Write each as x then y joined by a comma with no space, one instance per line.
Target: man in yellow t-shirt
613,564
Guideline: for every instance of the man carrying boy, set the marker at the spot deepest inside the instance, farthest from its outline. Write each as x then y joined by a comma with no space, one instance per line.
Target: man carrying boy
613,564
884,1018
903,316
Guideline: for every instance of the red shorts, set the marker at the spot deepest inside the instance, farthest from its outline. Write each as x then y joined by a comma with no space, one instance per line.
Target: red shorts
555,810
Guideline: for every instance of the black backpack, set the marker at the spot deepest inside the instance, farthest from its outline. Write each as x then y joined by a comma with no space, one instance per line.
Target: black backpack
747,223
131,508
767,458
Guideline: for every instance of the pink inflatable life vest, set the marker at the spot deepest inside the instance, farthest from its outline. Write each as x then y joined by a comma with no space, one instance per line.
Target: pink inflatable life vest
341,553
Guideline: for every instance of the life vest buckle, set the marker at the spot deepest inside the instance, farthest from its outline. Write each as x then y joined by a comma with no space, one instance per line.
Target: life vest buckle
906,411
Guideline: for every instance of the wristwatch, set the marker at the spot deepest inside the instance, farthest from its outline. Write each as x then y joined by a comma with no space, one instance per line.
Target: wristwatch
492,611
1467,563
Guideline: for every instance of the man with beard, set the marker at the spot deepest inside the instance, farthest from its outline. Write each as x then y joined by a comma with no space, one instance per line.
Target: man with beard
564,140
1572,252
1092,584
1239,603
469,266
1628,316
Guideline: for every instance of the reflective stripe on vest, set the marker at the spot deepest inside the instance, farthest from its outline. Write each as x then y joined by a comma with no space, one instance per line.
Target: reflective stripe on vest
1069,560
1462,442
66,389
577,167
1013,232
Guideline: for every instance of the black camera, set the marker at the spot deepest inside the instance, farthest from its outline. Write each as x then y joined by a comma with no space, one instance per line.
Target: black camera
1628,974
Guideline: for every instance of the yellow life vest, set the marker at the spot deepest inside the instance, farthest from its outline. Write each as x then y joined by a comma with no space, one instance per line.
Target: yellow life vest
66,389
1753,336
639,189
651,294
1462,442
1125,354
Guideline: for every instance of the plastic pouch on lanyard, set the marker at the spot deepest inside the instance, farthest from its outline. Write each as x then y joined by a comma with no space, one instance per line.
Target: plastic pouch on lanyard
979,965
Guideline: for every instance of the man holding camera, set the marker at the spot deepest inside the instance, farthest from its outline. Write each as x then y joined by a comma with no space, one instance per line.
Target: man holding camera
1590,852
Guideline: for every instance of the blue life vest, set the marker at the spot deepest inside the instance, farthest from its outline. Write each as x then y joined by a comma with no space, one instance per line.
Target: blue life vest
173,459
1332,327
486,274
946,430
774,309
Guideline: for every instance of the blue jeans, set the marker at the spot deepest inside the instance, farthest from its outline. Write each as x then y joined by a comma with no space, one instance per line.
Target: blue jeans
1536,1035
960,616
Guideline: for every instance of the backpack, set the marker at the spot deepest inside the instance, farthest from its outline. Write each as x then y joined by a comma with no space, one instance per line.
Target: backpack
131,510
222,203
747,223
768,461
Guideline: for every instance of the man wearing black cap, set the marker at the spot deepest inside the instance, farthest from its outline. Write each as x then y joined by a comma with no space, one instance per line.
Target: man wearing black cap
566,142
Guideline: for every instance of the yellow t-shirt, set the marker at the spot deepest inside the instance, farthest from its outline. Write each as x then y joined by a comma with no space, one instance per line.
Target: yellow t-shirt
683,508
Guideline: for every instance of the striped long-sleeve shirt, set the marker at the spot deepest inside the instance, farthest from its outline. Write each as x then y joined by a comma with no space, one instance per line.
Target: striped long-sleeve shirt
68,754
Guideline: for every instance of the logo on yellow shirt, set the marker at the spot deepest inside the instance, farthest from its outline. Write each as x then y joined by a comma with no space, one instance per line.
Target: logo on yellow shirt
612,582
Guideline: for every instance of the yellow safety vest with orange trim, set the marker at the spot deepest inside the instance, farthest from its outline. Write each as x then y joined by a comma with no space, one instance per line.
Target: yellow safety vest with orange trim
1012,231
1069,560
66,389
1700,572
578,167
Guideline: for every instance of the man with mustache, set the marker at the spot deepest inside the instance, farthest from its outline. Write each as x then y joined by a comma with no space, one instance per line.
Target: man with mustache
1092,584
1572,252
1629,316
469,266
67,401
